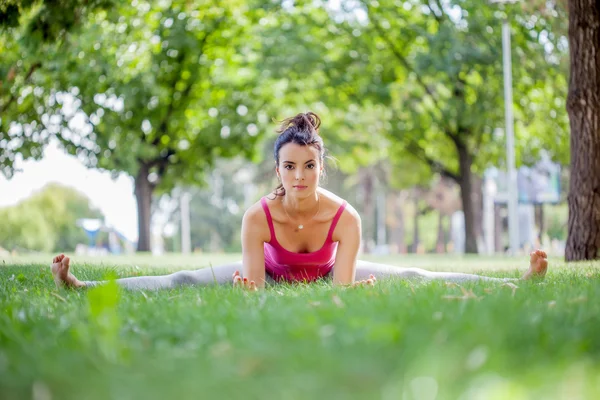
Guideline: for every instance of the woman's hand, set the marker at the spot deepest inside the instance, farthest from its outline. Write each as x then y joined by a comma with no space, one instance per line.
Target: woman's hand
238,282
366,282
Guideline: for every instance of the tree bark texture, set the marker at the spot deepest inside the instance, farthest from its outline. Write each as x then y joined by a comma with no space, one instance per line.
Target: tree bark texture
143,195
416,238
583,107
466,190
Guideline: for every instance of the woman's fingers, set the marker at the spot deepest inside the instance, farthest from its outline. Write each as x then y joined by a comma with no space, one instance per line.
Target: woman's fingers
240,282
237,280
366,282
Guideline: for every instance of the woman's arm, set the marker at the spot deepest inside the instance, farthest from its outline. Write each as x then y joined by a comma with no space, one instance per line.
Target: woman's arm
348,234
255,232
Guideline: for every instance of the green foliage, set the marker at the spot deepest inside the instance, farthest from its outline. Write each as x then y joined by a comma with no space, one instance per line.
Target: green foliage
103,324
46,221
33,35
164,87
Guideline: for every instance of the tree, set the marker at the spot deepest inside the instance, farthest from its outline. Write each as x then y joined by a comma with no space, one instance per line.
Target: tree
160,91
583,105
440,73
47,221
32,33
432,72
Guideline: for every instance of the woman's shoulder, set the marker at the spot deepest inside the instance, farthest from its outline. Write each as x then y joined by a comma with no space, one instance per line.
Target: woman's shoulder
335,202
254,223
255,212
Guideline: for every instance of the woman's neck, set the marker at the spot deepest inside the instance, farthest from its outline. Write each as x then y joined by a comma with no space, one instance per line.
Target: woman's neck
301,208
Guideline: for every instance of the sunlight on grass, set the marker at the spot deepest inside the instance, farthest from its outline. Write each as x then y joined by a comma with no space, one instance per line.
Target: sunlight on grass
399,340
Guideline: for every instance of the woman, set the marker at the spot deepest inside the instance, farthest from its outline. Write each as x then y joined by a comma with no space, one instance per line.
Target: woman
300,232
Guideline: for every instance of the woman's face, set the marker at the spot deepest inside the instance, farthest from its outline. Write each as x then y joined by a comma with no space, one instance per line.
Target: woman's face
299,169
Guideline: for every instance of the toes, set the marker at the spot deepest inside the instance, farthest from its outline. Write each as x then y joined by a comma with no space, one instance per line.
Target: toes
237,281
66,261
372,277
245,282
540,253
236,273
252,285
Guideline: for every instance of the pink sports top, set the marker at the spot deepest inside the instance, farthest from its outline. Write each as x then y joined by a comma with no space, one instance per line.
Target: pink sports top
282,264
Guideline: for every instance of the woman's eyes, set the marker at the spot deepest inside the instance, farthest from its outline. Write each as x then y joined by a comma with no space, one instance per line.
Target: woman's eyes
311,166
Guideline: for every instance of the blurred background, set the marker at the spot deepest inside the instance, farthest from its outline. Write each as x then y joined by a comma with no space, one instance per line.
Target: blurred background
149,125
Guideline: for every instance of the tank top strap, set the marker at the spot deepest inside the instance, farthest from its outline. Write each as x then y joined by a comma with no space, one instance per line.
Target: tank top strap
265,207
335,221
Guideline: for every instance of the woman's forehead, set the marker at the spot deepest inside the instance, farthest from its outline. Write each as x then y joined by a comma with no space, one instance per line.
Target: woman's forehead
298,153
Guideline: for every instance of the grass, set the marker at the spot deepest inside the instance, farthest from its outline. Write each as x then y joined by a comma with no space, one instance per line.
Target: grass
400,340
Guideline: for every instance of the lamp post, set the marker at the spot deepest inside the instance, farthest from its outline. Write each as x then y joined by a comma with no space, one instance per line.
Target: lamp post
513,217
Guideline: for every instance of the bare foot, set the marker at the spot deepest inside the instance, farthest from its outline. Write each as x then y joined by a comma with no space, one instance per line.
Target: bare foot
61,274
538,265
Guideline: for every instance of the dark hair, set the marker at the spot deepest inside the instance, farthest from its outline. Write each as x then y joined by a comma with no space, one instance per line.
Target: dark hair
303,129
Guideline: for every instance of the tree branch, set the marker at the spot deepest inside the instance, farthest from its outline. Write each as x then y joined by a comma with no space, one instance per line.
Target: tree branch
438,18
419,152
404,61
13,96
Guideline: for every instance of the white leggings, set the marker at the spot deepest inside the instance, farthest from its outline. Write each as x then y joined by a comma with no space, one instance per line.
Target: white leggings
222,275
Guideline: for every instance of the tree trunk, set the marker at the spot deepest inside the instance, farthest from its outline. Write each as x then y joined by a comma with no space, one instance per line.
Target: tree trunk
583,106
440,246
539,216
399,236
498,229
416,239
466,190
143,195
477,199
368,210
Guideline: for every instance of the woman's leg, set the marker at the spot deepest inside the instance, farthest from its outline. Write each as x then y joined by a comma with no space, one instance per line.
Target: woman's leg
206,276
537,269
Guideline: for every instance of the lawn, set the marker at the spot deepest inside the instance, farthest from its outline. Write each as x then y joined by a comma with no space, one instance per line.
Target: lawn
399,340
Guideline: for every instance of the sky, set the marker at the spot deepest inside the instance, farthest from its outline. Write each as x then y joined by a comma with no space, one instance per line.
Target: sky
114,198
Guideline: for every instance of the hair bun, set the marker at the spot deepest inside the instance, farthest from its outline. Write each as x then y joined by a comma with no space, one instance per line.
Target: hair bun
308,121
